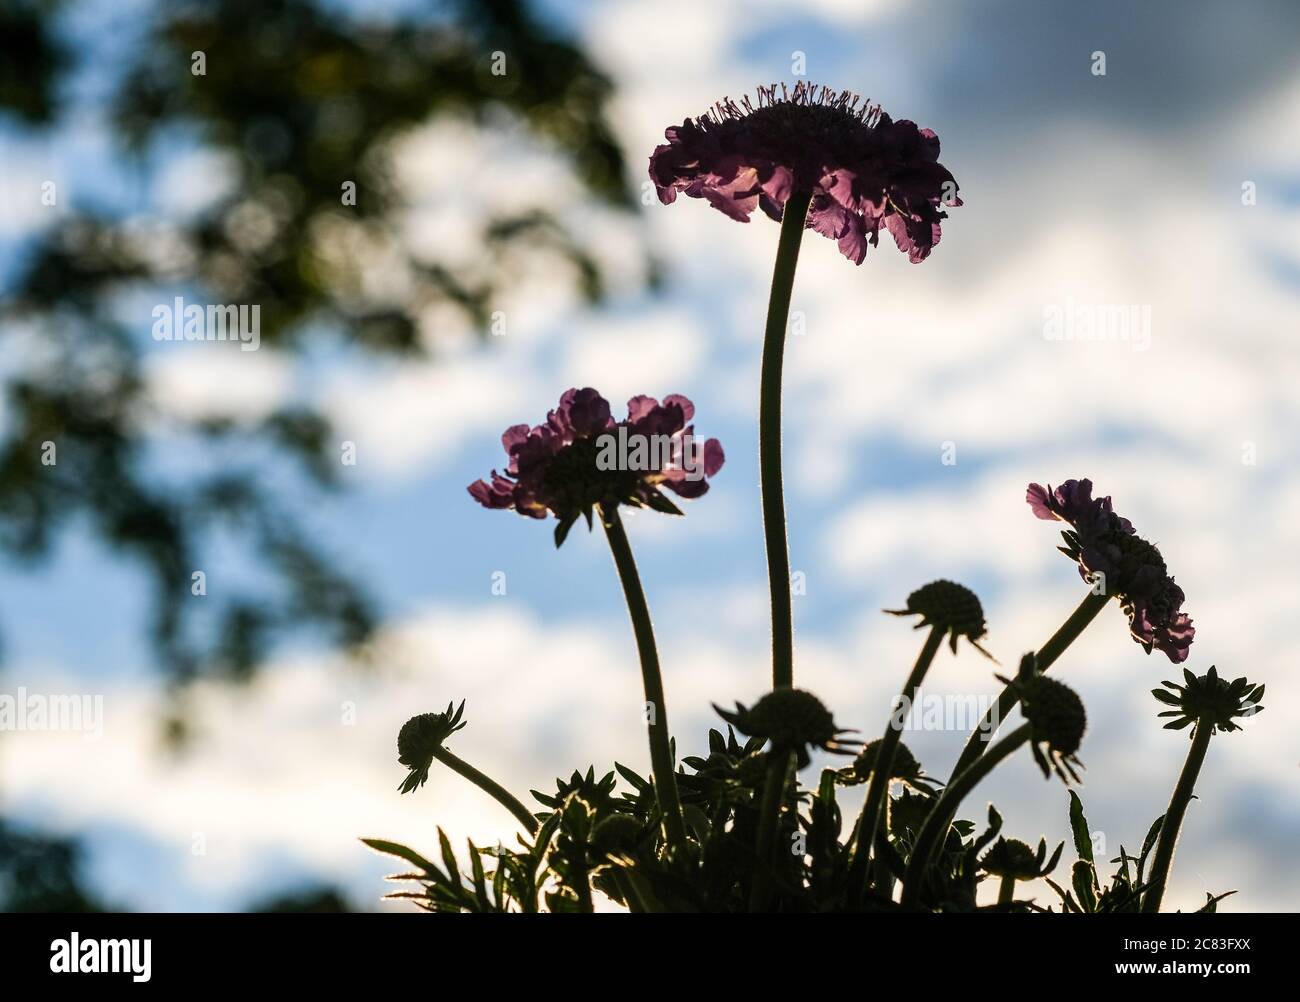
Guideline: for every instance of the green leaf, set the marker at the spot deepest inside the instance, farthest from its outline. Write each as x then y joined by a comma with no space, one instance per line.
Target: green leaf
1079,826
1147,845
639,782
659,502
1067,900
449,859
401,852
697,820
499,886
1122,872
1212,901
480,878
562,529
1056,858
1084,879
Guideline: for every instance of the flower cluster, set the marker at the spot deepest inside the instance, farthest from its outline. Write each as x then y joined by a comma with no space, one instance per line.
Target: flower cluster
1109,550
863,169
711,835
580,458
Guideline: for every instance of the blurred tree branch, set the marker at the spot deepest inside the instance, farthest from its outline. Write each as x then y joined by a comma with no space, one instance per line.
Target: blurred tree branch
299,99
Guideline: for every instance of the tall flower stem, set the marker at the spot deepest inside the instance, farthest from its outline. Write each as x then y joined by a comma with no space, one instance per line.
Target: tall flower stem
1007,889
936,824
1070,630
769,436
489,786
882,771
1164,857
661,756
779,768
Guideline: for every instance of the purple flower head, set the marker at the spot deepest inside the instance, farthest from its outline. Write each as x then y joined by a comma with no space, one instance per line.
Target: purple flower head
1109,550
863,169
581,458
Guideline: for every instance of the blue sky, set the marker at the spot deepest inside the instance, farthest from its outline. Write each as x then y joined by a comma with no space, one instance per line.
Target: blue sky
1120,189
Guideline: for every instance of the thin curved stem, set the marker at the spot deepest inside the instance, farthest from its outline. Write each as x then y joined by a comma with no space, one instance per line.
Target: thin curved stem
489,786
936,824
1046,657
769,437
882,771
661,756
1164,858
779,768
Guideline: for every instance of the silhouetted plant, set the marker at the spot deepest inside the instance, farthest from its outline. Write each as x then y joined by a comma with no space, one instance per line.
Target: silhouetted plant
735,830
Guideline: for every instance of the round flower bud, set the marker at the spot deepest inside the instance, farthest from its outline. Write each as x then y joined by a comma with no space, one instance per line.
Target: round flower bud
1056,713
792,720
1010,857
420,739
951,607
905,765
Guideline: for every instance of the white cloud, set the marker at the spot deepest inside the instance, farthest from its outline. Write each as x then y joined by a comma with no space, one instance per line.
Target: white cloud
194,380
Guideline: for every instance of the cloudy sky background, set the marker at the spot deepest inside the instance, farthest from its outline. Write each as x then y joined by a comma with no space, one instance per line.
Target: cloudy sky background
1123,189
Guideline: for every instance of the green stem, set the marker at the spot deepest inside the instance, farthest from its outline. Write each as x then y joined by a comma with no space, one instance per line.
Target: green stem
1164,858
629,893
885,861
1007,889
489,786
779,768
882,771
936,824
1047,655
769,437
661,756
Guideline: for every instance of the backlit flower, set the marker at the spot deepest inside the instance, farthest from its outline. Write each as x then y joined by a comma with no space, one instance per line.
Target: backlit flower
1110,553
581,457
863,169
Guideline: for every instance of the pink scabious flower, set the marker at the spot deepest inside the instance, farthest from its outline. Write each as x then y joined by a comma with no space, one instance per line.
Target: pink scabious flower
863,169
581,458
1104,543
